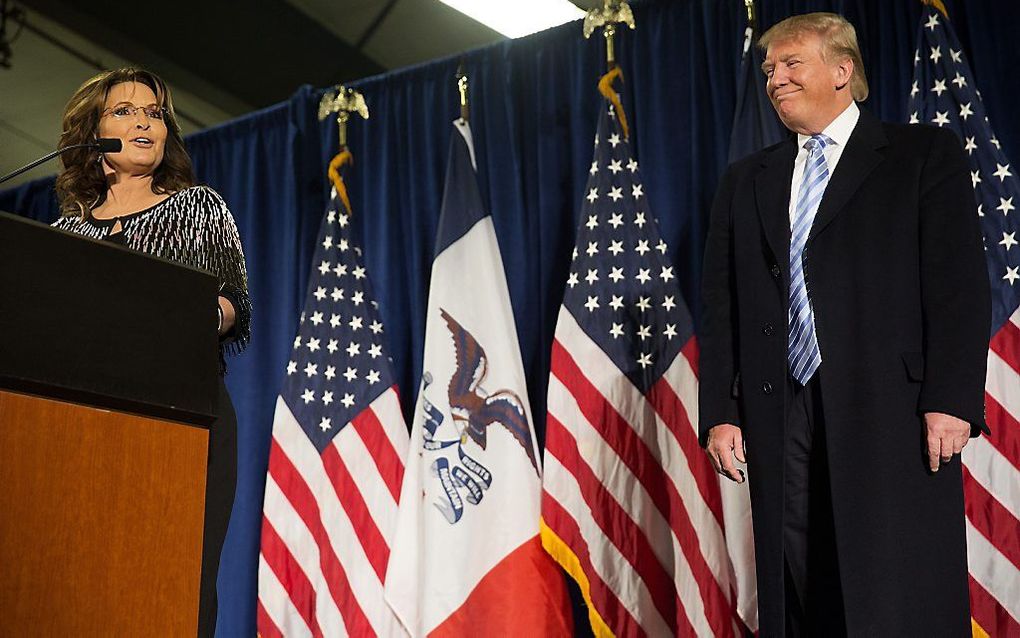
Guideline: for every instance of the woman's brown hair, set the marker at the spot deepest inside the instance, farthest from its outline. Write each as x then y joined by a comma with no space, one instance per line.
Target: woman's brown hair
82,185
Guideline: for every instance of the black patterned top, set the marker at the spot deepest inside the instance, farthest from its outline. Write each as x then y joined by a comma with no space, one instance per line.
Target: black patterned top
191,227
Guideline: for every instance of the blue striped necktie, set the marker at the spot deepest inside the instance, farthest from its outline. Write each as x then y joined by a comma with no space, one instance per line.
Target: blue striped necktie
802,350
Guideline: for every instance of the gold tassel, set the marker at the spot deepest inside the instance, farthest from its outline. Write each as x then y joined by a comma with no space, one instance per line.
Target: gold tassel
343,158
606,88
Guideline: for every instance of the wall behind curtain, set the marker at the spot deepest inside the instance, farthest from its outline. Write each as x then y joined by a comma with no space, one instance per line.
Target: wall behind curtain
533,110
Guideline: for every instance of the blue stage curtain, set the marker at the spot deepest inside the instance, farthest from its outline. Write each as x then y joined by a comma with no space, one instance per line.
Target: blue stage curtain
533,110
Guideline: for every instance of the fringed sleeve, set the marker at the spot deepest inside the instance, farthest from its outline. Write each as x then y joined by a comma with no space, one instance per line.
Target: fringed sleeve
224,257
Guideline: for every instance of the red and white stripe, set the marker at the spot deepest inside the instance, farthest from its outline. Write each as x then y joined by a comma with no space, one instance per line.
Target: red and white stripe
630,492
992,492
327,525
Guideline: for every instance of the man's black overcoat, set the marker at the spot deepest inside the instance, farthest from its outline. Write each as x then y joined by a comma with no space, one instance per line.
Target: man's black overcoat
897,279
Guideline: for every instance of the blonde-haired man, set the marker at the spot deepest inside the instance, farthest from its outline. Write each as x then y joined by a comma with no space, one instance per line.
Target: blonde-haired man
843,351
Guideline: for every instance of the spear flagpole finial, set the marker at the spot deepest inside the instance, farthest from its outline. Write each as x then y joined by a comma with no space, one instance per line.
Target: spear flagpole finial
462,90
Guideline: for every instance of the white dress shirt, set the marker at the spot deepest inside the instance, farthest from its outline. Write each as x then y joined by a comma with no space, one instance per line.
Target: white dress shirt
838,131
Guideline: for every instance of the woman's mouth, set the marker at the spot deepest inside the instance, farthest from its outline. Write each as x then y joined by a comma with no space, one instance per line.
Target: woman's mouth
142,142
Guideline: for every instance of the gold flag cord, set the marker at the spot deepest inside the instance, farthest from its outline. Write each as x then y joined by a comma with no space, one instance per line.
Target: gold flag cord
938,5
343,158
342,102
611,14
606,89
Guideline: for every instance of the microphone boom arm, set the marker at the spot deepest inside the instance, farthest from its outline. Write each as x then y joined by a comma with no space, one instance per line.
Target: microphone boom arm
100,145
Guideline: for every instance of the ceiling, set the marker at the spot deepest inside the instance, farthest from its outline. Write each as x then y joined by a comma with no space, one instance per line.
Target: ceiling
222,58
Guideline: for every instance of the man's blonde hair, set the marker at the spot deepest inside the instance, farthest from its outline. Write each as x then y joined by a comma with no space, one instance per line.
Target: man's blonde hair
839,40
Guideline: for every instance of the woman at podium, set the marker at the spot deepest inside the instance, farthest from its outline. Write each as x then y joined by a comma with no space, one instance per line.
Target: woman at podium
144,197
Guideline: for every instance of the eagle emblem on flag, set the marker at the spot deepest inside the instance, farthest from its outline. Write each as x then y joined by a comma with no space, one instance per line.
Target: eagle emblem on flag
471,404
464,478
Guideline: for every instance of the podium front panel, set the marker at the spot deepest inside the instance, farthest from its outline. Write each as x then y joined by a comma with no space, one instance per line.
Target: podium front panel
100,521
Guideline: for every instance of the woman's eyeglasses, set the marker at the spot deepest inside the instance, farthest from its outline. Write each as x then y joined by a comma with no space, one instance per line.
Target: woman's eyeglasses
121,111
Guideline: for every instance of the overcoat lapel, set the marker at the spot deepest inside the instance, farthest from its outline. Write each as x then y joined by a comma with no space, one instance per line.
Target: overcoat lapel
855,164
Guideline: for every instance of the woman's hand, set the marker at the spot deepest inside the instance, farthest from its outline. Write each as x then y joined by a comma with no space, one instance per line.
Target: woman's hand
227,315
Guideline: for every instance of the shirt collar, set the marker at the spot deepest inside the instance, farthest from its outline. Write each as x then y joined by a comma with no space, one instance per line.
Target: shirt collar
839,129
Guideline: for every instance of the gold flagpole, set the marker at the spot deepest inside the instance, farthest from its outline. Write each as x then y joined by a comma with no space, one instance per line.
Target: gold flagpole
612,13
343,101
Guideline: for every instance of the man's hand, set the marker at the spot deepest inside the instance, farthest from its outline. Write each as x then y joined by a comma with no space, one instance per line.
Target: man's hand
726,441
945,435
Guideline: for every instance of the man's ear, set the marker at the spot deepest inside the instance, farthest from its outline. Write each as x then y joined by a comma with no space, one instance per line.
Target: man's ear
844,71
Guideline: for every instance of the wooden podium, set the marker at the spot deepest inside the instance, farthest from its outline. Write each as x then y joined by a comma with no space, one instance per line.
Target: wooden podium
108,382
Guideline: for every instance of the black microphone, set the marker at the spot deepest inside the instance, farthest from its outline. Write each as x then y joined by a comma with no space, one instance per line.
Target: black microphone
103,144
107,145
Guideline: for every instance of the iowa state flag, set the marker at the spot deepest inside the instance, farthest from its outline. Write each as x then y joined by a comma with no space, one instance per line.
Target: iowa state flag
467,560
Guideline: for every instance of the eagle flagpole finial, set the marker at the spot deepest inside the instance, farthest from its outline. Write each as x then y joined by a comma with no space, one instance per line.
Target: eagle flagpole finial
343,101
612,13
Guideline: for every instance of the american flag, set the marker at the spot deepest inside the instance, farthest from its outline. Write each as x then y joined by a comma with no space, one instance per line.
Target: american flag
943,93
336,459
631,508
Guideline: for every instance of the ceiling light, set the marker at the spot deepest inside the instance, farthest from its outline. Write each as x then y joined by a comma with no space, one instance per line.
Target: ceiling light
519,17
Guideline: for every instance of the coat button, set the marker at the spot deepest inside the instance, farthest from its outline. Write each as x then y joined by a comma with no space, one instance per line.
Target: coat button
767,329
775,271
766,387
